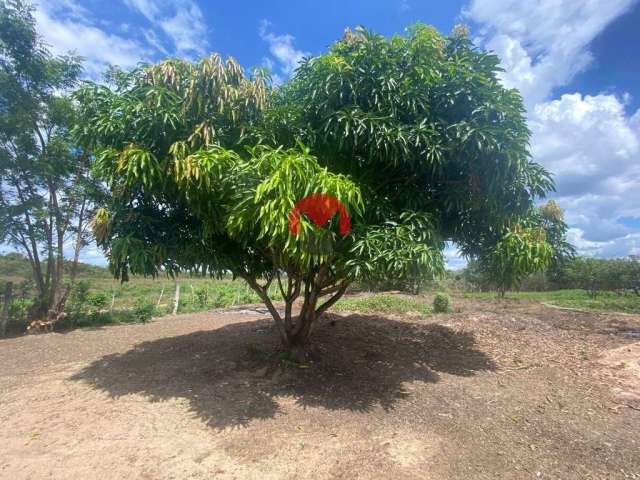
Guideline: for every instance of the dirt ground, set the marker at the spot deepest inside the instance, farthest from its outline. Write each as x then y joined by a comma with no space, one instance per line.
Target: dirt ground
497,391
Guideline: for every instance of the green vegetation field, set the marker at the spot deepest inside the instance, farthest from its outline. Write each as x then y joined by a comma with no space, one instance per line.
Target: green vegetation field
99,299
383,303
580,299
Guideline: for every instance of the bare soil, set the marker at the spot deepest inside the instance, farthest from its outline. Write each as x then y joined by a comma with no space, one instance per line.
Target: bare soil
497,391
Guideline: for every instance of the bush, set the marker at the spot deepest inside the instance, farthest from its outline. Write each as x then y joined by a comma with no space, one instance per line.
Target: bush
97,301
143,310
202,296
79,296
19,311
441,303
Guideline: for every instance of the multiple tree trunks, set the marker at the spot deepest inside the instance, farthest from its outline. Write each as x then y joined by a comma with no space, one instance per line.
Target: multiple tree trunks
294,332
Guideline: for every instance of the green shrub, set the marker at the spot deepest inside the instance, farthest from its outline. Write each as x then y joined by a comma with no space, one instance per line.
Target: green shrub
78,298
143,310
19,310
441,303
91,319
202,296
97,300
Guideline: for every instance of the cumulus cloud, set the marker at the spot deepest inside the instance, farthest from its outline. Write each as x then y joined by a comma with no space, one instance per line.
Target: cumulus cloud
588,142
284,56
626,245
176,28
180,22
544,43
67,27
452,257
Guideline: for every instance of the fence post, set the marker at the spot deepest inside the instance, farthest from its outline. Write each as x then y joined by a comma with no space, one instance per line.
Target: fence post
160,297
176,299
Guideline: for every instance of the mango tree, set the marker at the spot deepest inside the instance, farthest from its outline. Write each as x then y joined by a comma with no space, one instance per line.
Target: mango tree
360,166
519,253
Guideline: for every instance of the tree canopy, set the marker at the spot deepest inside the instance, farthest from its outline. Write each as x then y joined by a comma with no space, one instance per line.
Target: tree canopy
413,136
423,124
46,192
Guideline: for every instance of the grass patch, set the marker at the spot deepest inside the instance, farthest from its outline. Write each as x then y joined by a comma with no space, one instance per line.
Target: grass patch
383,304
196,294
104,301
580,299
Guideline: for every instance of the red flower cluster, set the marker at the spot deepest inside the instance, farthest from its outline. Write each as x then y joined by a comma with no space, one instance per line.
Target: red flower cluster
319,208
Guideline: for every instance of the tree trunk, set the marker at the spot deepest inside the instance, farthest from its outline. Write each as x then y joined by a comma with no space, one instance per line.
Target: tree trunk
6,306
294,335
298,337
60,295
113,298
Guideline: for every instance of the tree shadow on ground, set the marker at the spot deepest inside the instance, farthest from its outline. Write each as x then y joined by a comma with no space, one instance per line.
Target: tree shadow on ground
362,362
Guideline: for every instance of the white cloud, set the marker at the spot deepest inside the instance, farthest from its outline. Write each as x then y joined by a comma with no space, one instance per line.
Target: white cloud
153,40
281,48
181,22
149,8
66,26
588,142
177,28
542,43
626,245
591,146
452,257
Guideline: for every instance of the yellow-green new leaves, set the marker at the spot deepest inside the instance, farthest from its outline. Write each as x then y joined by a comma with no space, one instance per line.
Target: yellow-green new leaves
212,85
101,225
520,252
252,198
203,170
133,165
273,181
138,165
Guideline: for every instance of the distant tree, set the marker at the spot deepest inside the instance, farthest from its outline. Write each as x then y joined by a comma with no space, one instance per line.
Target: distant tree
632,274
521,252
588,274
412,137
537,245
604,274
477,277
44,184
551,218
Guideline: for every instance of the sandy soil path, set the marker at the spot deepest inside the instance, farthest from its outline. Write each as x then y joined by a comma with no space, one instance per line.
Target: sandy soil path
509,392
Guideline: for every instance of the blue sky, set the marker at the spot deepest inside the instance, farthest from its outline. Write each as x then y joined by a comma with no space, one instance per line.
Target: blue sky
575,62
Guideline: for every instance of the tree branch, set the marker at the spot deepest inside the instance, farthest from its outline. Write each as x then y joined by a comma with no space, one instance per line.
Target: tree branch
329,303
264,296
